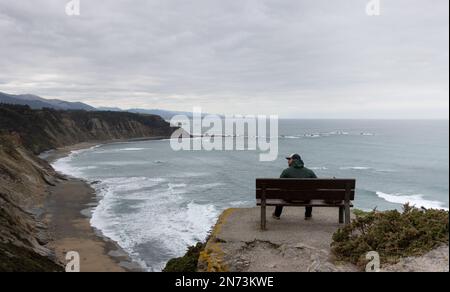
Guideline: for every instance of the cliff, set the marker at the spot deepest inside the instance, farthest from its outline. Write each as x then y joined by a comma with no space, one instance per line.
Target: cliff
41,130
24,178
292,244
414,240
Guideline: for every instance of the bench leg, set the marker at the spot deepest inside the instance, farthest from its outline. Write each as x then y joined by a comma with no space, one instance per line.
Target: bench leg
347,213
341,215
263,215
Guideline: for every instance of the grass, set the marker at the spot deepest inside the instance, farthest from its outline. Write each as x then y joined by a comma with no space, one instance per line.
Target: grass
392,234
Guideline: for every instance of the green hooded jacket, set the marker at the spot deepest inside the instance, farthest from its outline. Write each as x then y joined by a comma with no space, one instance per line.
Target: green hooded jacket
298,170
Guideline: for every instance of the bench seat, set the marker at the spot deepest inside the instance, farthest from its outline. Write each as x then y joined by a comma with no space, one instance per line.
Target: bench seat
297,192
313,203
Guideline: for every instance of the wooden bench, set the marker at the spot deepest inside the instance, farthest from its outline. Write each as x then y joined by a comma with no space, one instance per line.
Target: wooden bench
306,193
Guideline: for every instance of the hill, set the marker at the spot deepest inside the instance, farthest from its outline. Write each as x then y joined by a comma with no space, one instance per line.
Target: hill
25,179
36,102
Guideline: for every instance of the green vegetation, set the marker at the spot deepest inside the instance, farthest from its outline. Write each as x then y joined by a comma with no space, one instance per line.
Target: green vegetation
187,263
359,212
41,130
392,234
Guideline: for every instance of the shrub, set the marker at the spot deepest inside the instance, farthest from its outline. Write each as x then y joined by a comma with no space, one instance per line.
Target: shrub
187,263
392,234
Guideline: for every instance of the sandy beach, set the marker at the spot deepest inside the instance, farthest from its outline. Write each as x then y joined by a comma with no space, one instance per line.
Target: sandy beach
67,212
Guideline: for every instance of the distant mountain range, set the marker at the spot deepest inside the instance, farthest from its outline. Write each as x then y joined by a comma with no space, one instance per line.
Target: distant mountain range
36,102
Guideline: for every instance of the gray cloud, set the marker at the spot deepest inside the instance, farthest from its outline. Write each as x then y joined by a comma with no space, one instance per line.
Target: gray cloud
296,58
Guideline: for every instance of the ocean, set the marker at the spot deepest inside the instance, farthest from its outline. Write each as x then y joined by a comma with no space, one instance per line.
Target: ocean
155,202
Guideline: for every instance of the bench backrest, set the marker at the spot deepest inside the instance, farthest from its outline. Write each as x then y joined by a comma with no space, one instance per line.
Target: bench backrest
306,189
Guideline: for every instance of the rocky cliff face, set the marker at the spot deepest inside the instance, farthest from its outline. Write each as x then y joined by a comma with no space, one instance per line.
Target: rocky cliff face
23,180
41,130
24,177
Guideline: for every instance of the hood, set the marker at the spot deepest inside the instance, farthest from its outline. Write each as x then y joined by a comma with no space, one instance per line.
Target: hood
298,164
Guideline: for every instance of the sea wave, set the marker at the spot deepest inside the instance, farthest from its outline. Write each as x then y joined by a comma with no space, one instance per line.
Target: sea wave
63,165
366,168
130,184
325,134
143,213
414,200
133,149
356,168
162,218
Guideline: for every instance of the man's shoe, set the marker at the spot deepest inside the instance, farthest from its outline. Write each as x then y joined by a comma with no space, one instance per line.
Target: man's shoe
275,217
307,218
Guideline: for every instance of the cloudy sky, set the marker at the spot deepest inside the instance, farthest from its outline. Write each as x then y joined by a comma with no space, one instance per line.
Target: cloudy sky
294,58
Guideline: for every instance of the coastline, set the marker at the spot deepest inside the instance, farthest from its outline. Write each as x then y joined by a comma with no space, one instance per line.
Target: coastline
70,200
68,211
55,154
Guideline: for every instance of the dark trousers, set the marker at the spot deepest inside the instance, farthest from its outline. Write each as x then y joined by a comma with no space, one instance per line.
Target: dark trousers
279,211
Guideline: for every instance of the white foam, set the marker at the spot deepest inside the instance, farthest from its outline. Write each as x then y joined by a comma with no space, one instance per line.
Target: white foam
414,200
327,134
313,135
386,170
130,184
338,133
161,216
132,149
356,168
64,166
319,168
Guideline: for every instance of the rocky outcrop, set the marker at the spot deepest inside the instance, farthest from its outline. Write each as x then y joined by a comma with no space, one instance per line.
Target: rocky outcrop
23,181
436,260
291,244
237,244
24,178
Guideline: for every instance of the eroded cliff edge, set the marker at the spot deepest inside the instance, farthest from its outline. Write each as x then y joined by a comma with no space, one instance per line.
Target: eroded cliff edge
237,244
24,178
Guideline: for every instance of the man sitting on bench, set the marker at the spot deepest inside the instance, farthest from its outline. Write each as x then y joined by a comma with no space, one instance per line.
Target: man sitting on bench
296,169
